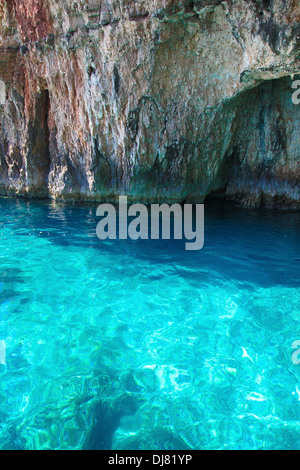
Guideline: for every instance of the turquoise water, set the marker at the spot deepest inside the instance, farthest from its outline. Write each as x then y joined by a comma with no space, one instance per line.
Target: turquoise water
143,345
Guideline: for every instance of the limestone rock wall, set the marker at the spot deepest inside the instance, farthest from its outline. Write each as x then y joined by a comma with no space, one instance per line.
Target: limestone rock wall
167,100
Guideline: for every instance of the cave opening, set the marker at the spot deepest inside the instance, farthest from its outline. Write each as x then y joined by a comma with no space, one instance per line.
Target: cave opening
263,149
39,161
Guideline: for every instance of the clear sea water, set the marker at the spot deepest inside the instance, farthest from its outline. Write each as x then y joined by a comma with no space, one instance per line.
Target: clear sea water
143,345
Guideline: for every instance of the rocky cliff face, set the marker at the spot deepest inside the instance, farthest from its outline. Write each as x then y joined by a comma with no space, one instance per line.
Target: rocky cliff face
168,100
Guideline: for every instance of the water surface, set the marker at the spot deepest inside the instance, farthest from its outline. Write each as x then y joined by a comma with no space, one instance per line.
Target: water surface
143,345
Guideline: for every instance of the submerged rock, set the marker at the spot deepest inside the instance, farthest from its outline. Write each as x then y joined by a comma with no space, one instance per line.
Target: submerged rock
167,100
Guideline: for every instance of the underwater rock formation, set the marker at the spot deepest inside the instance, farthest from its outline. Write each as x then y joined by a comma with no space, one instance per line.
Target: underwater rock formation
169,100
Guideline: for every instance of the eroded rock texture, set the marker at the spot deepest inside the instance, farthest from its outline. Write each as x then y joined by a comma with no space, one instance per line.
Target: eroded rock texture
166,100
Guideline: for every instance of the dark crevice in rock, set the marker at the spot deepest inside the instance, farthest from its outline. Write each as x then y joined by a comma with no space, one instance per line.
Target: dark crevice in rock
101,168
138,16
271,33
38,160
24,49
4,145
132,124
228,167
91,71
117,80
